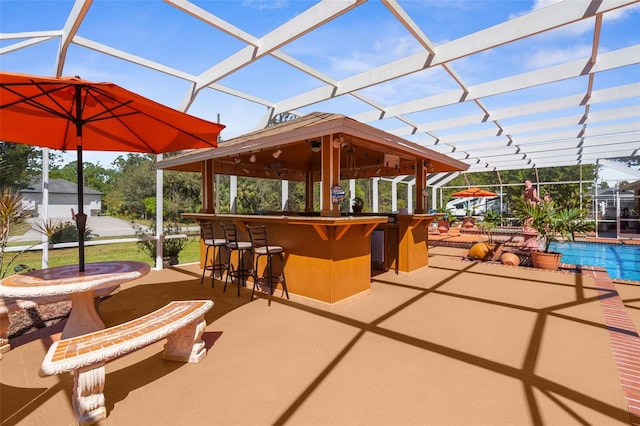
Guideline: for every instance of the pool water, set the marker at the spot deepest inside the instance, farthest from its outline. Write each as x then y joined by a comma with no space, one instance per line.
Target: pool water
621,261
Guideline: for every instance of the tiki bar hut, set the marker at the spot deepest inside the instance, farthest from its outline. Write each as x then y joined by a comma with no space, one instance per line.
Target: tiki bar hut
328,254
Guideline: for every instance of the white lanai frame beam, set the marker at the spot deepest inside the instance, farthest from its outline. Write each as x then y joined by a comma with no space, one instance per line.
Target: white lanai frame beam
78,12
538,21
298,26
415,30
617,166
607,61
31,41
394,192
599,96
575,131
533,23
438,181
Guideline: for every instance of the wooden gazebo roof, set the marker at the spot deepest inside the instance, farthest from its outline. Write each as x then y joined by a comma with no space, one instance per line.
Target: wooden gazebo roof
365,151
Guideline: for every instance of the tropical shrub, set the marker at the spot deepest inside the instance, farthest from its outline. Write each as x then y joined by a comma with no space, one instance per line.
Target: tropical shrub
11,211
553,221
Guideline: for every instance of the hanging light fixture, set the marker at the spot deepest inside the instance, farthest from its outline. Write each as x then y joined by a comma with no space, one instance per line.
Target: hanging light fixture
252,158
277,153
316,146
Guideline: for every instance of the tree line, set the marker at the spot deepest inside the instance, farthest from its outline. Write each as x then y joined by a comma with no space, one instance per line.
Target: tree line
128,183
129,187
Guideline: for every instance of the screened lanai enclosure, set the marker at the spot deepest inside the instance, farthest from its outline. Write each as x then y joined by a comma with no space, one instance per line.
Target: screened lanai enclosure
523,86
613,206
528,86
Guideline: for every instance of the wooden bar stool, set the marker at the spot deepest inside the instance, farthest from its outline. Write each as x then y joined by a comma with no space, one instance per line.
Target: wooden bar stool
240,273
261,247
211,244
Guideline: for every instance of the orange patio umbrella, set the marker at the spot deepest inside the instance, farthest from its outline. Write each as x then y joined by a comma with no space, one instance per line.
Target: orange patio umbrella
474,193
68,113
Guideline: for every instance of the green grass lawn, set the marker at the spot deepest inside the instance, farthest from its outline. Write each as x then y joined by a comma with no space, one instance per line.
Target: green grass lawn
107,252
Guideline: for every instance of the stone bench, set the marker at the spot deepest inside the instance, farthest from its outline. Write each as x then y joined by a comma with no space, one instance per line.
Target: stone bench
181,322
8,305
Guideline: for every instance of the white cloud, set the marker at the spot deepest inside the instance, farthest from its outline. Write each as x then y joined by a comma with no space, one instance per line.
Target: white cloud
572,30
549,57
383,51
539,4
582,26
419,84
265,4
622,13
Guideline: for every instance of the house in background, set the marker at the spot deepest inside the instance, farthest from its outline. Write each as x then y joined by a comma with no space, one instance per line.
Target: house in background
63,199
608,199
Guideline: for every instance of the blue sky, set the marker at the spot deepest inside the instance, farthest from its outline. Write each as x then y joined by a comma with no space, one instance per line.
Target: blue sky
367,37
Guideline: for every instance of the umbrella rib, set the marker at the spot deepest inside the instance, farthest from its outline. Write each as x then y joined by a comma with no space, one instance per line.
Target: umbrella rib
107,110
118,116
111,115
47,102
32,101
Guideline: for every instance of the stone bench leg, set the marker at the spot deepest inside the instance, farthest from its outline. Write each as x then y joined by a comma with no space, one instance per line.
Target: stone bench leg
4,334
186,343
87,398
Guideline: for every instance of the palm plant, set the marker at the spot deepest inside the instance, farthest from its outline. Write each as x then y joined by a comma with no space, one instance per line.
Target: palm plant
59,231
11,211
449,215
46,227
552,222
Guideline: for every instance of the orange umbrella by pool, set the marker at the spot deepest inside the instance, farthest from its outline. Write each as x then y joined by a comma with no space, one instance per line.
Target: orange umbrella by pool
474,192
69,113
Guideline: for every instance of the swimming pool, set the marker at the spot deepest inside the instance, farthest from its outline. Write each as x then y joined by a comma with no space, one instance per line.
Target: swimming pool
621,261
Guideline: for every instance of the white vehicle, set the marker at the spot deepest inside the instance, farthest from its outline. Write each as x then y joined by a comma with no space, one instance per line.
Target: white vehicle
469,206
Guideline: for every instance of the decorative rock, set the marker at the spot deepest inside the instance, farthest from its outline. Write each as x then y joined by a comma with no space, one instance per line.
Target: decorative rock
511,259
480,251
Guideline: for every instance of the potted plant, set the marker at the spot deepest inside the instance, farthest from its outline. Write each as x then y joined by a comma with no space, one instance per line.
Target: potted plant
447,219
489,223
453,219
487,250
469,222
171,247
551,222
358,204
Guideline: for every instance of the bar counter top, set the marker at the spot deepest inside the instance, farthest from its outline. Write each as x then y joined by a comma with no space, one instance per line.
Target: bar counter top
337,220
326,227
307,220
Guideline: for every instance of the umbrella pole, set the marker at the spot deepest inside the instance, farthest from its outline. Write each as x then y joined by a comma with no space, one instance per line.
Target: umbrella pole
81,218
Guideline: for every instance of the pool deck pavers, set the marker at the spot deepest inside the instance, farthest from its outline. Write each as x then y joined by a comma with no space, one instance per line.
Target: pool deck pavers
457,343
625,341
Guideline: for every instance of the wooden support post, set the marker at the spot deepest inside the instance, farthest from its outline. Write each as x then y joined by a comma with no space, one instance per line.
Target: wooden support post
308,192
207,172
330,175
420,186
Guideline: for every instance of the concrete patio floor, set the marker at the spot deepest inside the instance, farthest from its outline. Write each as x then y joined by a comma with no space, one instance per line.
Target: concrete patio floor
457,343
